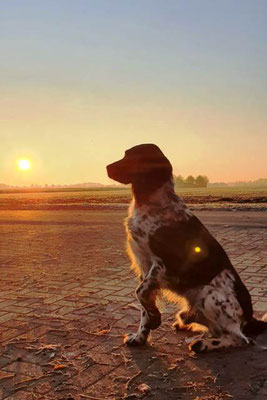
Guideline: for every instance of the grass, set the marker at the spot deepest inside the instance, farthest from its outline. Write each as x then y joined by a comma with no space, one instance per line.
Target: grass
104,197
104,191
228,191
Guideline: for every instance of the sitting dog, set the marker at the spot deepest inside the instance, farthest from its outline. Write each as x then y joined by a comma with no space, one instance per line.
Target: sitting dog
172,251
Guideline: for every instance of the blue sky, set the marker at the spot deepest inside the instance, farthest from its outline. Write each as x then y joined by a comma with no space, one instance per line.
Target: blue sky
81,81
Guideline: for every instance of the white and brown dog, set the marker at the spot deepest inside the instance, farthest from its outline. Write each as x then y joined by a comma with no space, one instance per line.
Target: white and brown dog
172,251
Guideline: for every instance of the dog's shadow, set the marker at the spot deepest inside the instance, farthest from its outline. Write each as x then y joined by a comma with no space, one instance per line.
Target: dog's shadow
162,364
172,372
241,372
153,365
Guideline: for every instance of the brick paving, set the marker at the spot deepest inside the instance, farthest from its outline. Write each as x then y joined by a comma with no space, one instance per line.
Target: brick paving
67,299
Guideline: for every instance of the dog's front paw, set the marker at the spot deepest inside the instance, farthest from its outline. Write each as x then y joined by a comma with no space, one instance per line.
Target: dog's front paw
135,339
198,346
177,326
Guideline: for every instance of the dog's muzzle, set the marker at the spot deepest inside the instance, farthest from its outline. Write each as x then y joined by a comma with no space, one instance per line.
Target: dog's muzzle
117,172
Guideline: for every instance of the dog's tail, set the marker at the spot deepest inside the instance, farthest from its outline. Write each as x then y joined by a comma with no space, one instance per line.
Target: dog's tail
254,327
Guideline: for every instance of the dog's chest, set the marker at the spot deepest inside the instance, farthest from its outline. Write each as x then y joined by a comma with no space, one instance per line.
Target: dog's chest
139,227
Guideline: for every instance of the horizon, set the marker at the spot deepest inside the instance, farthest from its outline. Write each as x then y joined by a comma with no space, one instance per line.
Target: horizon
116,184
82,82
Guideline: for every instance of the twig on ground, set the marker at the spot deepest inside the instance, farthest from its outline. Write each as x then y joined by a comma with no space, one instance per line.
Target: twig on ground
29,380
86,396
44,347
131,306
131,379
88,362
65,386
101,334
212,378
6,375
14,390
6,262
125,359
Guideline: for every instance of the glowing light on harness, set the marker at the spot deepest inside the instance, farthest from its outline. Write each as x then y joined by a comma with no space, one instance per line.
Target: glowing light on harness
197,249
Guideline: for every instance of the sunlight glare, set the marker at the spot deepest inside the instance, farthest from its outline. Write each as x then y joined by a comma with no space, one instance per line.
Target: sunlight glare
24,164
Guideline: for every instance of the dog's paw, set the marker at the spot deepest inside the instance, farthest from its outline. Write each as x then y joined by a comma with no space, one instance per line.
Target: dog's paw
134,339
198,346
154,320
177,326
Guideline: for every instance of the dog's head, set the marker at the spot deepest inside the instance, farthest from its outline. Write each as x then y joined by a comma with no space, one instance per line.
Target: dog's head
144,163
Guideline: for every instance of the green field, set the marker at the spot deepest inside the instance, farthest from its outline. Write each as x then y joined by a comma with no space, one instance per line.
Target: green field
107,197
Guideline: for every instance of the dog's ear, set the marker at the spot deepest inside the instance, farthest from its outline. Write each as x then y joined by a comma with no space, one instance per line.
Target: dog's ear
154,167
151,173
160,169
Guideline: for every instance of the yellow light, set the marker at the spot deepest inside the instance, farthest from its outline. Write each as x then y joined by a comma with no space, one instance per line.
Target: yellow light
197,249
24,164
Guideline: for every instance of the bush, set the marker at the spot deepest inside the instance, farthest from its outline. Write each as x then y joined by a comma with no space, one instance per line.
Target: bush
191,182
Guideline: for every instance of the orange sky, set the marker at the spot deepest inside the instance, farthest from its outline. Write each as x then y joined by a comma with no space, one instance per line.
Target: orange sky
83,82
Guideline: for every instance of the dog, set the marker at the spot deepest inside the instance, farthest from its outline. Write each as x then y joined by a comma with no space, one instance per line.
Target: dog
173,252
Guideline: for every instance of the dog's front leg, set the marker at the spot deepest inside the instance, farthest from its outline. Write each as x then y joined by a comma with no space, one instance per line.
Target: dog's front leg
146,293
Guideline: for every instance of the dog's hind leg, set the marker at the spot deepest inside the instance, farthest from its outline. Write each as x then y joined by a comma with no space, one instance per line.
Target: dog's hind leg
208,343
147,293
224,317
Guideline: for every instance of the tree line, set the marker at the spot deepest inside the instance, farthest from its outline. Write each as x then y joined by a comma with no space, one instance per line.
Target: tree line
191,182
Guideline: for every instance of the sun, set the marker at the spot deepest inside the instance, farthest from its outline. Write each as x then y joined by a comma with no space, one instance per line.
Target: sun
24,164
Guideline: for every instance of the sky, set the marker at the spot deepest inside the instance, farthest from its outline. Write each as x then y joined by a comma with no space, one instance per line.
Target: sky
82,81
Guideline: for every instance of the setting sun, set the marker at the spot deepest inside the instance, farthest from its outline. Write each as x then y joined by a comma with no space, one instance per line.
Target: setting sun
24,164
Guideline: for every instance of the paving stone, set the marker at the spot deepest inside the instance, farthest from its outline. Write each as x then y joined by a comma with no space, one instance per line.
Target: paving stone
7,317
260,306
4,361
21,395
24,368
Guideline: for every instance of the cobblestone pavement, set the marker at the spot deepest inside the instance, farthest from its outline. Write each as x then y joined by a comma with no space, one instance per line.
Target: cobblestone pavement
67,299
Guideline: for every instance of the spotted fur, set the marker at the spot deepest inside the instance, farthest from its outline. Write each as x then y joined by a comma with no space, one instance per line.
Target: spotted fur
162,235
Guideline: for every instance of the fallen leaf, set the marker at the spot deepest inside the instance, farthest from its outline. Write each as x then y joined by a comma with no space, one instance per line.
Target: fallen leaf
144,388
59,366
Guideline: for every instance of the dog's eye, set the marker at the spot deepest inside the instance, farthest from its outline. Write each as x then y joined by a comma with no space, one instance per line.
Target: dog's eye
197,249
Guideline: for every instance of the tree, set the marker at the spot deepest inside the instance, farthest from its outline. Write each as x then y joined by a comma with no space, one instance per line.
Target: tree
202,181
179,180
190,181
